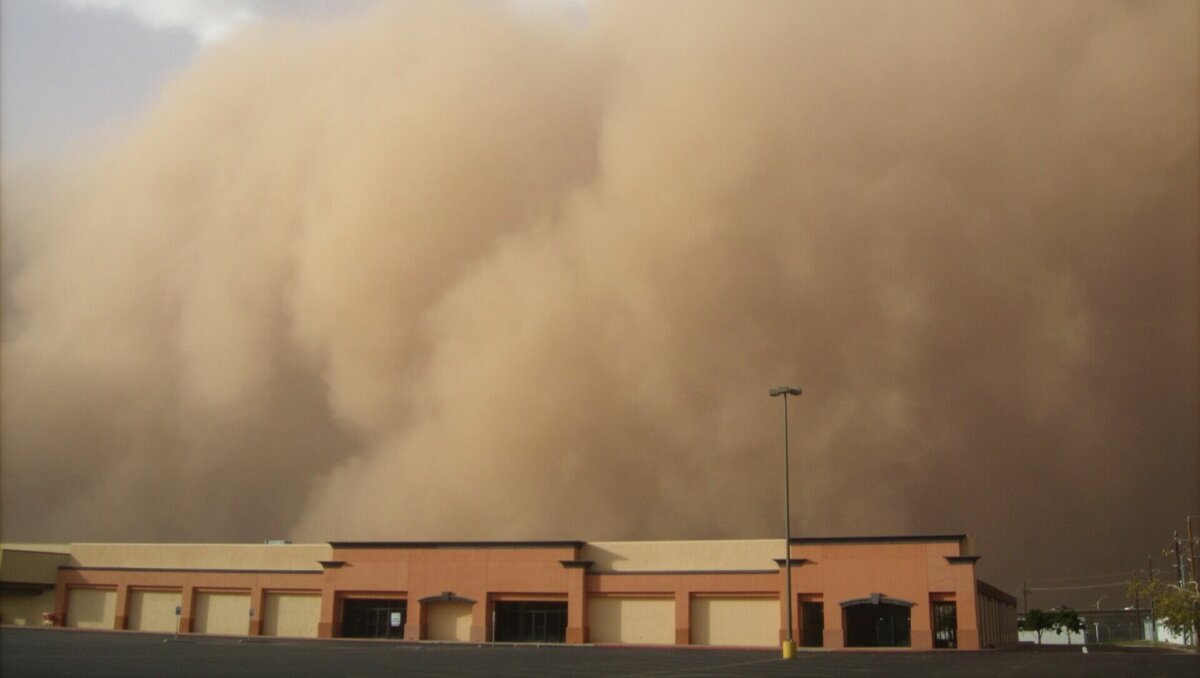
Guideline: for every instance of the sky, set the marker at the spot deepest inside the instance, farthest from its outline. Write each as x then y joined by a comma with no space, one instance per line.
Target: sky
527,270
76,71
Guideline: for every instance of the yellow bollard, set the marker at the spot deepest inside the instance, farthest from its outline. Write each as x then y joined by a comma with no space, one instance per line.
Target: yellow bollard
789,649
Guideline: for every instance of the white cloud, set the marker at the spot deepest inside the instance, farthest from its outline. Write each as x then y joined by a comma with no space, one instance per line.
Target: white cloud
209,21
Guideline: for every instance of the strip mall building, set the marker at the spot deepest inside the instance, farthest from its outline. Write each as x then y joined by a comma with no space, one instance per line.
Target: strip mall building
913,592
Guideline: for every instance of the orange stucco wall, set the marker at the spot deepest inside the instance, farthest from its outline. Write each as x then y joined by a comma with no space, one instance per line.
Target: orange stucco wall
481,574
913,572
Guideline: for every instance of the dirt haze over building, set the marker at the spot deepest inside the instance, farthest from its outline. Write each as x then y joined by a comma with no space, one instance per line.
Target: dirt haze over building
466,272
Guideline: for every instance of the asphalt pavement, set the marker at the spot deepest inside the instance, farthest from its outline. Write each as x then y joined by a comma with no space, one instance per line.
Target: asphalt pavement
68,652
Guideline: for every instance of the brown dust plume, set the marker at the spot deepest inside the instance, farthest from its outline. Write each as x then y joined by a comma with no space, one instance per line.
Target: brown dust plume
459,271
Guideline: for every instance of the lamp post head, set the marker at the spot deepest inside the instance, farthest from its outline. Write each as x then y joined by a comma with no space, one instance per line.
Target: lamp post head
785,391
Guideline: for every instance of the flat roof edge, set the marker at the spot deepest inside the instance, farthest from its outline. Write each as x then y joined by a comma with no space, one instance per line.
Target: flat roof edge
366,544
864,539
986,589
880,539
254,544
455,544
205,570
608,573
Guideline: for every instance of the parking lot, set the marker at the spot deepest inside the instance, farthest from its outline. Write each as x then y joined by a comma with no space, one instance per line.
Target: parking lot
61,652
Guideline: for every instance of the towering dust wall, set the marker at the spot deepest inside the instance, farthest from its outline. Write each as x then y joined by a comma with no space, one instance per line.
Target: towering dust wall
464,272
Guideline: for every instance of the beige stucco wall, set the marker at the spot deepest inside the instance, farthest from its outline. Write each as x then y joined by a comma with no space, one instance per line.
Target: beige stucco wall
31,563
291,614
682,556
91,608
449,621
631,620
153,610
35,546
202,556
224,613
25,608
735,621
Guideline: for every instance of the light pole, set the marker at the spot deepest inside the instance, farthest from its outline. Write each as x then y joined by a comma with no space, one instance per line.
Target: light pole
789,645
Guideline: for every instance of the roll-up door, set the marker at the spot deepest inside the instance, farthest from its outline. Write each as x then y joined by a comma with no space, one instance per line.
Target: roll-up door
735,621
291,614
449,621
222,613
631,620
153,610
91,608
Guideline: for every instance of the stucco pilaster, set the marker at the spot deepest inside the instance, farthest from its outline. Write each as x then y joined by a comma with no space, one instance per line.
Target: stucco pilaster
481,613
577,602
60,602
257,598
122,611
964,597
329,605
414,628
187,598
921,625
683,617
834,637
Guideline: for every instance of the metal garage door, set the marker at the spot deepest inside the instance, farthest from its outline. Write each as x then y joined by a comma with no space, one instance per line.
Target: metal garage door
631,620
735,621
153,610
227,613
291,614
449,621
91,608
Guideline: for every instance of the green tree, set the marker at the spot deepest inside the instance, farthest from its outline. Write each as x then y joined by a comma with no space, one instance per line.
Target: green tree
1065,619
1036,620
1177,608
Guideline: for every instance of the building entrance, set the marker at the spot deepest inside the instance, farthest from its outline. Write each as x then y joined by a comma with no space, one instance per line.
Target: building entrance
532,621
878,625
945,625
374,618
812,624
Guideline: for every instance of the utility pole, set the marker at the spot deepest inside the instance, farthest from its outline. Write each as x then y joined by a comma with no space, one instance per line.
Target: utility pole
1192,561
1178,560
1025,595
1153,620
1191,548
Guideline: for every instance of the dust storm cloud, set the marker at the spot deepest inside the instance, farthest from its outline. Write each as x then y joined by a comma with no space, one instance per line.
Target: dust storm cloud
466,272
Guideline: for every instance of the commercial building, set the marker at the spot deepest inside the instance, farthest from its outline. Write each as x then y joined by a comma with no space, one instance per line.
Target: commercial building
916,592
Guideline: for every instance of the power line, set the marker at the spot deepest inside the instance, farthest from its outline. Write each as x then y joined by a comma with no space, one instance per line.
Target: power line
1078,588
1089,576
